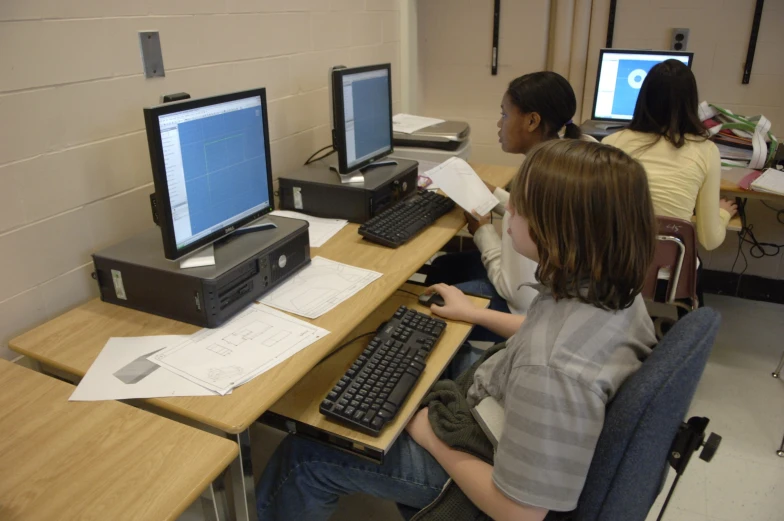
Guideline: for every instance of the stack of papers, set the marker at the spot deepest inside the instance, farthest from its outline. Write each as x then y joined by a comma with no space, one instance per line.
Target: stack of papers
207,363
458,180
771,181
408,123
248,345
320,230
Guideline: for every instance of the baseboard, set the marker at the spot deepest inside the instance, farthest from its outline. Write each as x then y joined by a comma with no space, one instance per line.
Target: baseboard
751,287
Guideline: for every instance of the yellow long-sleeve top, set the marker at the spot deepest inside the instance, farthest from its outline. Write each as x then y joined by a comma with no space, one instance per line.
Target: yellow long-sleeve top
681,180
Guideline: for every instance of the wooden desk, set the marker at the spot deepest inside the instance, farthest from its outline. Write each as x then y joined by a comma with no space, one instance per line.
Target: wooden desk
95,460
729,187
301,403
72,341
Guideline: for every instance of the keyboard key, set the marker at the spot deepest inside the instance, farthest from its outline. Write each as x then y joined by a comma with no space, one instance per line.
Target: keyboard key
401,390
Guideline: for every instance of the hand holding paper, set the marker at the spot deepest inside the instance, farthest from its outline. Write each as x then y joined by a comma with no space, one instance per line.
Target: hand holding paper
459,181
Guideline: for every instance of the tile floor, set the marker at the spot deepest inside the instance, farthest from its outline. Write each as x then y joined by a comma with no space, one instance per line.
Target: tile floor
745,481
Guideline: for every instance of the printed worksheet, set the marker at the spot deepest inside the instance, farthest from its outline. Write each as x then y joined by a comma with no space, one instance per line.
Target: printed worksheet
122,371
319,287
320,230
248,345
458,180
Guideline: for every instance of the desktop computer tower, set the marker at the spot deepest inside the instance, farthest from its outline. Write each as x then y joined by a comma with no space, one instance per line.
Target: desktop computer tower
135,273
317,190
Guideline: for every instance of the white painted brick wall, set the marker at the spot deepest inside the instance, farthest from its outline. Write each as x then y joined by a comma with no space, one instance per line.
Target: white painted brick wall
74,167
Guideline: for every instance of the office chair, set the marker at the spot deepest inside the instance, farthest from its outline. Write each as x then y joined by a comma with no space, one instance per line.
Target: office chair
780,452
644,429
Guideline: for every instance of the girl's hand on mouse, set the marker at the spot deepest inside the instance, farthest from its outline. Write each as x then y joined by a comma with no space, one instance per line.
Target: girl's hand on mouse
457,306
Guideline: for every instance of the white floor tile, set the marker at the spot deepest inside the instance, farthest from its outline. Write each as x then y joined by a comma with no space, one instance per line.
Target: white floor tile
742,489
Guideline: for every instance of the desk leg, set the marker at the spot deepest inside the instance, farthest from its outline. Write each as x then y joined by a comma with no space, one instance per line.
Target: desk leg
215,506
242,482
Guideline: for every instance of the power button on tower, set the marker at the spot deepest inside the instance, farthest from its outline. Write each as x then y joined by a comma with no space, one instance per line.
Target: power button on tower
282,261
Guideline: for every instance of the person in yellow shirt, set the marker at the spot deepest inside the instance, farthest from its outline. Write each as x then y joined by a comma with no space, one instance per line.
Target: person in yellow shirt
683,167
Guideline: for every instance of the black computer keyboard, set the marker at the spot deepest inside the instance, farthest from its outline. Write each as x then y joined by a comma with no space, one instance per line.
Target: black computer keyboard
397,225
370,393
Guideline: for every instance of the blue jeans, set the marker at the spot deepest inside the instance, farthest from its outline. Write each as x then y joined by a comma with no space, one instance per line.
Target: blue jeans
466,272
304,479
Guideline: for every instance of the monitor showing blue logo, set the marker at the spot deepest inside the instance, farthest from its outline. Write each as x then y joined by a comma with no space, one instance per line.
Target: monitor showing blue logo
620,77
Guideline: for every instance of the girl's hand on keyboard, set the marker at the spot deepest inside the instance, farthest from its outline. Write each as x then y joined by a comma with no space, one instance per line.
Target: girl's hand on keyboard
457,305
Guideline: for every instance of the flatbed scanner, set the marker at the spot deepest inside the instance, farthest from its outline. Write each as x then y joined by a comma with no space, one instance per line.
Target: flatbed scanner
449,135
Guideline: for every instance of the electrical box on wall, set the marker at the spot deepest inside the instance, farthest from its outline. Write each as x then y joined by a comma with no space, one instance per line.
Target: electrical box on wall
152,57
680,39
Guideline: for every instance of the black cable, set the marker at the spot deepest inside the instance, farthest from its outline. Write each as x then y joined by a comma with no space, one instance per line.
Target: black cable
345,345
406,291
779,212
317,152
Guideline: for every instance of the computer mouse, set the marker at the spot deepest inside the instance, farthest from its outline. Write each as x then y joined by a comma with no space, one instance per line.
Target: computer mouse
432,298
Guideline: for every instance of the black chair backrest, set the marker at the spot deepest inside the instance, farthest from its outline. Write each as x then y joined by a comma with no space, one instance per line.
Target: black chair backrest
641,422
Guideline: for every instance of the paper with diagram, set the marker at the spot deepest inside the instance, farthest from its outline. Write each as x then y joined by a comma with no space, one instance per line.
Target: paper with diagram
458,180
248,345
319,287
320,230
122,371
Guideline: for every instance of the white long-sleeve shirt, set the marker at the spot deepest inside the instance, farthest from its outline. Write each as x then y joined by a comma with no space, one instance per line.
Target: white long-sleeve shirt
506,268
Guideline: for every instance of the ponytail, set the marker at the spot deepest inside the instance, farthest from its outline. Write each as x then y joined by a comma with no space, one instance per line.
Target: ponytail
572,131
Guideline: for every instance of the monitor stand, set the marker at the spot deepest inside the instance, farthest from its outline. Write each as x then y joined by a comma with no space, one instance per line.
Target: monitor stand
358,176
206,256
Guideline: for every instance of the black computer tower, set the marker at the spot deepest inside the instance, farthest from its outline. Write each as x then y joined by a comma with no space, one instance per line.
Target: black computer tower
135,273
317,190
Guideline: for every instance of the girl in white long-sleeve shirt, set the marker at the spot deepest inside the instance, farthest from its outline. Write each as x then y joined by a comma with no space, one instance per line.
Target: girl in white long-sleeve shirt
536,107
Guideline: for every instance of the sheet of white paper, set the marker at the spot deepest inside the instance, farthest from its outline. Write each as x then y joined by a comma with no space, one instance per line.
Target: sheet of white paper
458,180
408,123
248,345
320,230
122,372
319,287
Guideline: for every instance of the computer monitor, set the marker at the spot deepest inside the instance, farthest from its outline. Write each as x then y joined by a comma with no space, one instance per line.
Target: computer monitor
211,167
620,76
362,115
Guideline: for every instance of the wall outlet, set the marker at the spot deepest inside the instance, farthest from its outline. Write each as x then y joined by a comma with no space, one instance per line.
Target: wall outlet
680,39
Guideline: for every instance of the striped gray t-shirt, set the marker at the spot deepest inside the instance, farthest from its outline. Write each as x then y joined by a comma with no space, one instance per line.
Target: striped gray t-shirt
554,381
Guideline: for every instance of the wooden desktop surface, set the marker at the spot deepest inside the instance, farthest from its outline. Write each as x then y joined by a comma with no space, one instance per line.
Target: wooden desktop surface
729,187
301,402
72,341
95,460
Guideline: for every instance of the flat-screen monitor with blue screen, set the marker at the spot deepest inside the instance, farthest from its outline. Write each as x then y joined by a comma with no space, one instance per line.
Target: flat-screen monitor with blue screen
620,76
211,167
362,113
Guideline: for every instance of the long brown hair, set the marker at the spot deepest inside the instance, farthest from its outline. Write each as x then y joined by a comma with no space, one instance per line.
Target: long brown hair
667,105
590,215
